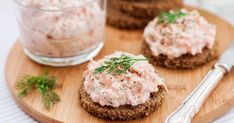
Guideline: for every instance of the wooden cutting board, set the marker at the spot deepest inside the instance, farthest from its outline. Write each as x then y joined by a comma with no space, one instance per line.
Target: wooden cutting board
179,82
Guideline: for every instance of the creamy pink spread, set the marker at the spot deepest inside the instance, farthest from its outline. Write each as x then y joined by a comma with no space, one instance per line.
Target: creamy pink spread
189,34
61,28
131,88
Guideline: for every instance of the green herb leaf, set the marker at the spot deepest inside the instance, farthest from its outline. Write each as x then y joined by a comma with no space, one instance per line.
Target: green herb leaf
44,84
170,17
117,65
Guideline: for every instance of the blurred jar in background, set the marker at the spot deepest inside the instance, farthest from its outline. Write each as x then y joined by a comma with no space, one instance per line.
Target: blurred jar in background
61,32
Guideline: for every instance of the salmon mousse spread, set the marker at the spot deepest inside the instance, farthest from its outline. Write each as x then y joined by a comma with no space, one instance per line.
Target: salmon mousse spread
121,79
176,33
61,28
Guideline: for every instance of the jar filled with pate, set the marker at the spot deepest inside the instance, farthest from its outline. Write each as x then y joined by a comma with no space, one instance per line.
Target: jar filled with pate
61,32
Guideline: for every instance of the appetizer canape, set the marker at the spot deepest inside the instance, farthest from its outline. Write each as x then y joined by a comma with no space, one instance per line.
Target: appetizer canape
180,39
135,14
121,86
146,8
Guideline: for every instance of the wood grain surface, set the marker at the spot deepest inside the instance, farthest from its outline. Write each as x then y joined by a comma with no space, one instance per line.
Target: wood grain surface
179,82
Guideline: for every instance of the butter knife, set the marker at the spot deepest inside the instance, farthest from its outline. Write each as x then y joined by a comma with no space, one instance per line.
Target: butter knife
192,104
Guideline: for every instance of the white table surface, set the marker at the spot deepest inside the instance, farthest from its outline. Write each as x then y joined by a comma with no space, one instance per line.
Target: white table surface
9,111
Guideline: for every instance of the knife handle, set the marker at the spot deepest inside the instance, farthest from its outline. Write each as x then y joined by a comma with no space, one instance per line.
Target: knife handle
192,104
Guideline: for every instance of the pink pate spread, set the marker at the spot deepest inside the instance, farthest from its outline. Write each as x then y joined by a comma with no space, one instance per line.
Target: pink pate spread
189,34
130,88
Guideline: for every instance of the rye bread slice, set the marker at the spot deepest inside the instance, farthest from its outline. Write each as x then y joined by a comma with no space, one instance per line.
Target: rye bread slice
146,9
139,0
186,61
123,21
126,112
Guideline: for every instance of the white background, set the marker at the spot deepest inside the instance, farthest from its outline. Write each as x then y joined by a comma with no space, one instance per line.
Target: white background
9,111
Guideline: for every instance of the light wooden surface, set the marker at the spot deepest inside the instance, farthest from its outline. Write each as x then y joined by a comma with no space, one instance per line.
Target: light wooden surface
179,82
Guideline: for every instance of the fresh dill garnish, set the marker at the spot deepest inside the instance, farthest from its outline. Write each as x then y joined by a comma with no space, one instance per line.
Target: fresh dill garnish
170,17
44,84
117,65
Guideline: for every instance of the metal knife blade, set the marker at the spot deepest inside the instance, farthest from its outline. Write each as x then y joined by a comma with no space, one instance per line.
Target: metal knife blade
192,104
227,57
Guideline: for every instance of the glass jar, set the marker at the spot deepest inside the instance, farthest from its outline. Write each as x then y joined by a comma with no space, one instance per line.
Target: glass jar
61,32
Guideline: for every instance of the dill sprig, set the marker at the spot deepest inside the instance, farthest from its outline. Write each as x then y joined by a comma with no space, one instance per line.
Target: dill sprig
117,65
44,84
170,17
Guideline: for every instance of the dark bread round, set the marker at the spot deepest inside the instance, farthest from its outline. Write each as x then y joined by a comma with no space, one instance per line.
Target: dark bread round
146,8
139,0
186,61
123,21
126,112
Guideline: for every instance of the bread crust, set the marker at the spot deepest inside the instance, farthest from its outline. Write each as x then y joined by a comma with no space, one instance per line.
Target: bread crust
123,21
186,61
126,112
147,8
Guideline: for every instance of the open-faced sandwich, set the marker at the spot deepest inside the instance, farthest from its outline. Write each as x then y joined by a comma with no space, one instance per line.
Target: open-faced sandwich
135,14
180,39
121,86
146,8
